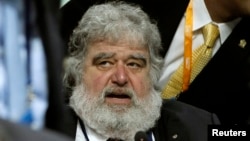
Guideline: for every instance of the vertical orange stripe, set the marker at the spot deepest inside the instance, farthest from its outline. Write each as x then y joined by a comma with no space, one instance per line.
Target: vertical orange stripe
188,34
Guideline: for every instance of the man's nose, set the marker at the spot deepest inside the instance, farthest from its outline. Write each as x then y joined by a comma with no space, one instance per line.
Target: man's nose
120,76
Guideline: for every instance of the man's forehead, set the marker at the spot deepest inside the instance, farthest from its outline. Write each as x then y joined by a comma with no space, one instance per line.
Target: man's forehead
111,54
125,44
107,47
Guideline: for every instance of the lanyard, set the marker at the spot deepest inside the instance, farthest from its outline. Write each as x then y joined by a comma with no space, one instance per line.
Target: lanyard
188,34
83,130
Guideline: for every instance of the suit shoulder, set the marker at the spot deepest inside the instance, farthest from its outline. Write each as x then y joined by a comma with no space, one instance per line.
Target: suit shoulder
177,109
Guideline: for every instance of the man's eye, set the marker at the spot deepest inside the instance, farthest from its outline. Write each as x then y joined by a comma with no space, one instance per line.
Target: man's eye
104,64
134,65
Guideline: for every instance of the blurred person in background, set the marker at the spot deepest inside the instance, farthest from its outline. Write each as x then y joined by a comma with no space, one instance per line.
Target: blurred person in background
31,55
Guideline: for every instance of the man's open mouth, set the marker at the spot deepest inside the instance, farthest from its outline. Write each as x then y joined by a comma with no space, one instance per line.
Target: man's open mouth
117,95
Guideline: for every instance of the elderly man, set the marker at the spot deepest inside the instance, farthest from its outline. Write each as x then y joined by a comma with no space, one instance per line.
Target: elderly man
112,70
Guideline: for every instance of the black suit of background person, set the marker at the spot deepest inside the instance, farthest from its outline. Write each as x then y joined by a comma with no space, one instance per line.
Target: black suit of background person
223,86
48,27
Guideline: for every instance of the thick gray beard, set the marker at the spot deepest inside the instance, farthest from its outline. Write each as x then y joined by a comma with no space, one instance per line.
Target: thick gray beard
116,121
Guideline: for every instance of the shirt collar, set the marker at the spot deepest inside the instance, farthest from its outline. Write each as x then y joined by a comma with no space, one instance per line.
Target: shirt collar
226,28
201,18
93,136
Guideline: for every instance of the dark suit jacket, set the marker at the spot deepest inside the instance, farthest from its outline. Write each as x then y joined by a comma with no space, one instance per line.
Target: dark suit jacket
180,120
15,132
223,87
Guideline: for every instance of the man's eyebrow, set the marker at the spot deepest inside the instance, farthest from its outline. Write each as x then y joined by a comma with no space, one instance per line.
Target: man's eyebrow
103,55
139,56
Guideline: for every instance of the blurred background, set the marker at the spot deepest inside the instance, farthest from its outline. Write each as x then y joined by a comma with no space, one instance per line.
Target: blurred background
31,56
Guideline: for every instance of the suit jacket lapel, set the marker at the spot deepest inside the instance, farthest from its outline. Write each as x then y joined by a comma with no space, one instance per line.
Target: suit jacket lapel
233,48
234,51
